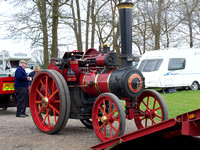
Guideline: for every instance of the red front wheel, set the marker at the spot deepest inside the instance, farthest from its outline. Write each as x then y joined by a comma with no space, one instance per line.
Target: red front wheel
108,117
150,109
49,101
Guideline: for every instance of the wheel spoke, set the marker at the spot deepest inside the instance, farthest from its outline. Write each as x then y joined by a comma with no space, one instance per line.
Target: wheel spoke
39,93
56,101
112,127
101,109
145,122
54,109
148,102
157,109
54,114
153,122
159,116
102,126
40,110
49,121
104,130
104,106
38,102
45,87
53,86
47,114
112,112
145,104
154,103
56,91
46,90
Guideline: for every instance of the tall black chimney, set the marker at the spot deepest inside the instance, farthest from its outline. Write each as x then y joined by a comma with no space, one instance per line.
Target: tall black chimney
125,15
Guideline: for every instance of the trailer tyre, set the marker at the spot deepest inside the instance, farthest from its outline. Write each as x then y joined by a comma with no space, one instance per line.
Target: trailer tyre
108,117
150,109
195,85
49,101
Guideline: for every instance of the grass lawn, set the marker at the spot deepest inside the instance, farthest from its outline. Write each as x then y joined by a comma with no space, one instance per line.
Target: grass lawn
181,102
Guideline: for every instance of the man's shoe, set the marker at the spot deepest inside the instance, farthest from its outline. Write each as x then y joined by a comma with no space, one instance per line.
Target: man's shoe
20,116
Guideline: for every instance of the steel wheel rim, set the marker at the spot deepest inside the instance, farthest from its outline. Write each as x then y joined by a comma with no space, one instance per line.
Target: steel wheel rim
45,102
148,111
106,118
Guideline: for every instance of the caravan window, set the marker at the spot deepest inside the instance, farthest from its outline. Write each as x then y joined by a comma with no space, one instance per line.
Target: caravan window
150,65
176,64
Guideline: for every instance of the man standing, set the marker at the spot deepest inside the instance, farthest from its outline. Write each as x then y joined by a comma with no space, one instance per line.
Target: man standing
21,88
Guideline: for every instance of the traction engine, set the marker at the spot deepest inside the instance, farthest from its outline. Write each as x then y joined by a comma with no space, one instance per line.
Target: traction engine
94,88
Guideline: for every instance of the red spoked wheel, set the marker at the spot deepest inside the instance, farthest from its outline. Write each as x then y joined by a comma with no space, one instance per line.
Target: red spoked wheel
150,109
49,101
108,117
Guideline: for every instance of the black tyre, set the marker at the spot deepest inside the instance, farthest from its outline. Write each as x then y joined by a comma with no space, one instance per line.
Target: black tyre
195,86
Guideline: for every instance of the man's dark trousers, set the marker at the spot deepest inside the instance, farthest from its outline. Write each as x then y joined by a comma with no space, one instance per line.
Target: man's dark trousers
21,94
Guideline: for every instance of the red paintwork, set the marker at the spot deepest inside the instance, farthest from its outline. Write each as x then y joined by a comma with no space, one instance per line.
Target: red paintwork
45,118
181,125
53,67
6,80
113,118
100,59
94,84
75,67
90,53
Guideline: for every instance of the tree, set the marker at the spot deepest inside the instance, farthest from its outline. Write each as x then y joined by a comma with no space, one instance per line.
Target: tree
188,7
41,4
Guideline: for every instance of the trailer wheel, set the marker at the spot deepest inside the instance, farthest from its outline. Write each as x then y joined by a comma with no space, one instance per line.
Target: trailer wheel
195,85
150,109
108,117
49,101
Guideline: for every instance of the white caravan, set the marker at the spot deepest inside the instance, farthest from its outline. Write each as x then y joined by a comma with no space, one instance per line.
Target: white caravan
171,68
9,61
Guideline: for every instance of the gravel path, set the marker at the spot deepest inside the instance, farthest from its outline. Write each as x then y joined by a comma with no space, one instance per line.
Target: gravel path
22,134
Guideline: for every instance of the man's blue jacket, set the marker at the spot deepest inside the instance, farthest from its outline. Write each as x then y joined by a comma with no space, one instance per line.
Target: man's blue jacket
20,78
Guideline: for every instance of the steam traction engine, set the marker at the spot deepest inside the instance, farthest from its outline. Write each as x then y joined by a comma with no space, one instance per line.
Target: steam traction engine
90,86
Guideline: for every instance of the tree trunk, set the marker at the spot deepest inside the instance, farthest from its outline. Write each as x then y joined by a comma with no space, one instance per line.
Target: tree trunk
80,47
55,13
93,23
190,31
41,4
87,26
157,26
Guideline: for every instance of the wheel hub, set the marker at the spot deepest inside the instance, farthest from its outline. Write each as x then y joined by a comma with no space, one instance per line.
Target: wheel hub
150,114
104,119
45,101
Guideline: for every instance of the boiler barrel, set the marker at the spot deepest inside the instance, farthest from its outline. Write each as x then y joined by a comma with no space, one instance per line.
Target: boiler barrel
123,82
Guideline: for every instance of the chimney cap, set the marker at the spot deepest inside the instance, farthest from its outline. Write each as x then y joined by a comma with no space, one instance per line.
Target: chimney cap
126,4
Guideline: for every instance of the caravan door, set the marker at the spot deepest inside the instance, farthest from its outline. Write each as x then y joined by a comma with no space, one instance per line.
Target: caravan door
174,75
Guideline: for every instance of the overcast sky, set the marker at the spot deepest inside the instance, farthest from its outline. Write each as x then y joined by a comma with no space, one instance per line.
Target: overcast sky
10,44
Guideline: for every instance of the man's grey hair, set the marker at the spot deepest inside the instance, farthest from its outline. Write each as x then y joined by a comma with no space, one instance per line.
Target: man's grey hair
22,62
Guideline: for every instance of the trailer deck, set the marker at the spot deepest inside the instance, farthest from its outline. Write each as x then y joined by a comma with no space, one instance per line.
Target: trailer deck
185,124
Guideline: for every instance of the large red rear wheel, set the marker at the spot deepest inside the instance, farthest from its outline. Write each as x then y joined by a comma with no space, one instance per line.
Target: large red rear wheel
150,109
49,101
108,117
